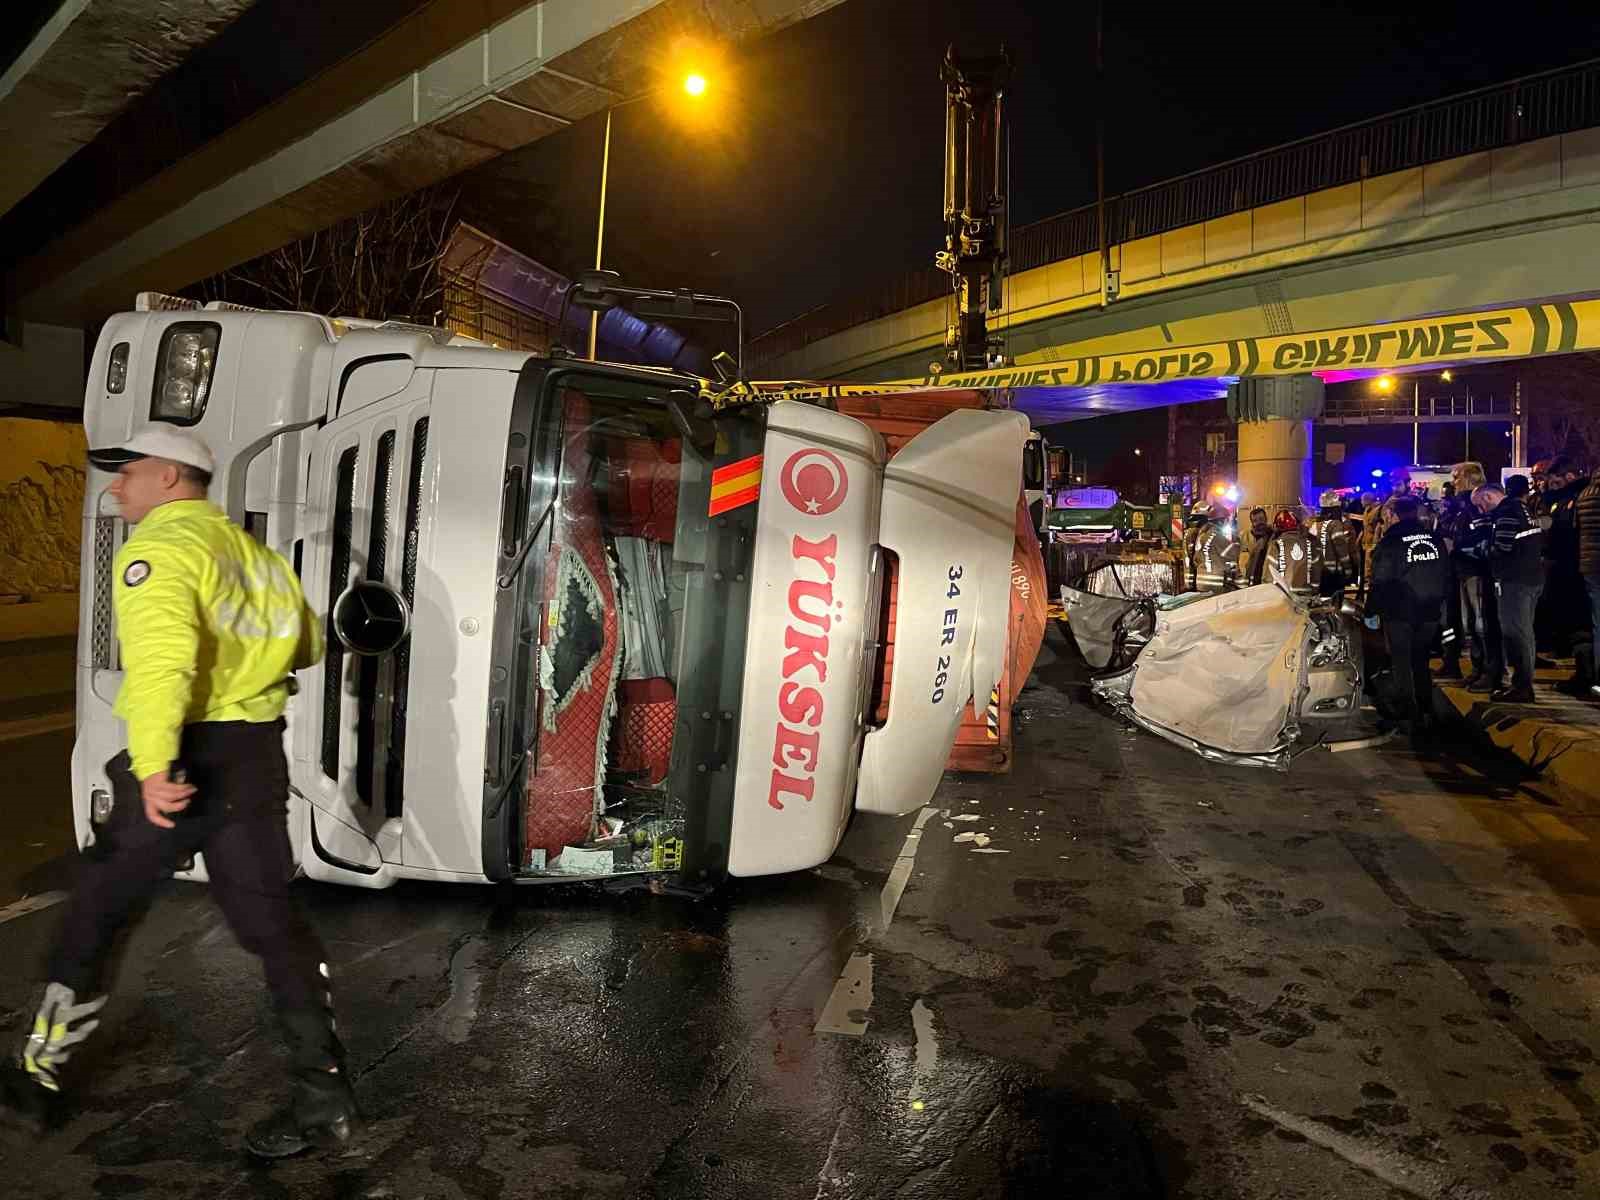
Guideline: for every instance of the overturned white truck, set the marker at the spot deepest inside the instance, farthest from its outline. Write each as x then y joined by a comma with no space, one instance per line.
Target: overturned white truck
580,623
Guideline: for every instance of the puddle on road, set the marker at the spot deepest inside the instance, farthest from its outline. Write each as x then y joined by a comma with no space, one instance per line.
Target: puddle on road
460,1011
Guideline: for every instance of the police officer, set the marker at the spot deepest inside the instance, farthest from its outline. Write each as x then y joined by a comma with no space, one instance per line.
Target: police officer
1410,576
210,625
1294,560
1331,533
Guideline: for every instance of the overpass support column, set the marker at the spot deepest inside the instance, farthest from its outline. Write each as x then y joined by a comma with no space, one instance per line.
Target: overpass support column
1274,416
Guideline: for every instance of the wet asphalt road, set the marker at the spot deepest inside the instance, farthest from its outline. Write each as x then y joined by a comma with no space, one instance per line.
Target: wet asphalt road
1373,977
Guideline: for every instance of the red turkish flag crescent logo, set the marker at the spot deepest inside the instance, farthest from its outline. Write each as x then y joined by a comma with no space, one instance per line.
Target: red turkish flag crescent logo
814,481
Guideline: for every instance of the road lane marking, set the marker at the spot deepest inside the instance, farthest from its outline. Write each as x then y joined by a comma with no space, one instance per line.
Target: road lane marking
852,995
30,904
900,875
1413,1176
847,1010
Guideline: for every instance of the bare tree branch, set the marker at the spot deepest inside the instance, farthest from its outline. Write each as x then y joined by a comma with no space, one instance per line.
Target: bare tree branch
380,264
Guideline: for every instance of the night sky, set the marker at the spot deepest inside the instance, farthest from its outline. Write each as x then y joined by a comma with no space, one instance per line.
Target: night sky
818,170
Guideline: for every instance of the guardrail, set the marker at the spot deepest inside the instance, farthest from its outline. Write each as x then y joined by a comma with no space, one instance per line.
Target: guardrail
1535,106
1403,410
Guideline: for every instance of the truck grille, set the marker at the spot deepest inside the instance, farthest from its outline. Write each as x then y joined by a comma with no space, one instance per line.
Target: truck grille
338,580
394,793
102,634
377,556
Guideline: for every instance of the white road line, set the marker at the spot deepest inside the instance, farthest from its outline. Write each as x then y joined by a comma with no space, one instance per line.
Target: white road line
900,875
848,1008
1413,1176
29,904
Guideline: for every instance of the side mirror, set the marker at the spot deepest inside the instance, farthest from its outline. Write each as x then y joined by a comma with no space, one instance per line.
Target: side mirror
371,618
597,290
693,422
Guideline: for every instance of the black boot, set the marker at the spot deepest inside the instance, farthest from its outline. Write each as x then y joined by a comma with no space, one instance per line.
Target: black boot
30,1084
322,1110
26,1103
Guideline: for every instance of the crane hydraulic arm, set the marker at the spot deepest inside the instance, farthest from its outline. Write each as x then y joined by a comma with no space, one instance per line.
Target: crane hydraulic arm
974,202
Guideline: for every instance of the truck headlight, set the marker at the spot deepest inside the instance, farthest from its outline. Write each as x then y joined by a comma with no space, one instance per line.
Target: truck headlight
184,364
99,806
117,368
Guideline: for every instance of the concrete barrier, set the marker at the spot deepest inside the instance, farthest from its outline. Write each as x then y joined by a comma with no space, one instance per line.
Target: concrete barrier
1558,738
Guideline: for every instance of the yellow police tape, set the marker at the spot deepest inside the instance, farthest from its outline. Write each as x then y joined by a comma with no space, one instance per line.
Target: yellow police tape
1527,331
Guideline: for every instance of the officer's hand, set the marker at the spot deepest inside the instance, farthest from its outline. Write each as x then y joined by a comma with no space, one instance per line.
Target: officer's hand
162,796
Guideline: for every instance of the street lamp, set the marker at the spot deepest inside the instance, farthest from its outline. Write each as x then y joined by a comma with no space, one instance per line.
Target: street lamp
694,84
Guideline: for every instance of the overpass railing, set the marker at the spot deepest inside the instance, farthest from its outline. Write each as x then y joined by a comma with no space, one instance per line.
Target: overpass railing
1505,114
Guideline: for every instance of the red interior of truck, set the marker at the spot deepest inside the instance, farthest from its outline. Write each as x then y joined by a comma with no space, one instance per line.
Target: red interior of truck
591,721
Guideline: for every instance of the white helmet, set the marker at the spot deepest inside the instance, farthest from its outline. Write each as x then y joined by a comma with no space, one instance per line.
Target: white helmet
1202,508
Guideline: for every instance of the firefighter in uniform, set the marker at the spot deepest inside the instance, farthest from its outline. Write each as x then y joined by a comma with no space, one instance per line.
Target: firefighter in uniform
1294,560
1214,561
1410,577
211,624
1331,533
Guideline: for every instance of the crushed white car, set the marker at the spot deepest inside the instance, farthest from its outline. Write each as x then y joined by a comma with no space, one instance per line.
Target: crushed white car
1247,677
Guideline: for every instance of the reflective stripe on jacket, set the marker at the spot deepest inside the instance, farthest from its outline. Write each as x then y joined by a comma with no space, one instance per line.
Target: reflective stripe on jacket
1294,560
1516,554
211,623
1332,536
1216,559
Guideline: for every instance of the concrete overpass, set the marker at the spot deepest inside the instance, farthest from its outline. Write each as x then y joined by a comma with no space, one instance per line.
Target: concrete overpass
154,142
1487,200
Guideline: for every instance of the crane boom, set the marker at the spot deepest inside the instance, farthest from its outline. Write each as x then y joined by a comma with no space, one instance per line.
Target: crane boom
974,201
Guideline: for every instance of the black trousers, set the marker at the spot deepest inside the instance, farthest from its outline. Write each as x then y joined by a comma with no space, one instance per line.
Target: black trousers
237,820
1410,645
1480,613
1454,636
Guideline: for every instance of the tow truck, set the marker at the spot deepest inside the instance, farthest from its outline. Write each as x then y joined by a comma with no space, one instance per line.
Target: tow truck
583,620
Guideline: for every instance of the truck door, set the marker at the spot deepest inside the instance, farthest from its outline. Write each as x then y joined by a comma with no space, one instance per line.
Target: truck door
949,513
363,519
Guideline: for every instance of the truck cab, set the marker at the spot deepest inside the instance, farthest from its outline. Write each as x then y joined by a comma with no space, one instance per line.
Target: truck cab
581,621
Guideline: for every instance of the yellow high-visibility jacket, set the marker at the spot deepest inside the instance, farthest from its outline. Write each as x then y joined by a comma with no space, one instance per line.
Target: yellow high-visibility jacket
211,623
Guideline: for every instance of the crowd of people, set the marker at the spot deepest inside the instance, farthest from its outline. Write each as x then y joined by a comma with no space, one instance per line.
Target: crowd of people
1500,574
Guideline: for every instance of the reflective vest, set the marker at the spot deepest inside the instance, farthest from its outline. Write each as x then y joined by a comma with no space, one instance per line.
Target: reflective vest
210,622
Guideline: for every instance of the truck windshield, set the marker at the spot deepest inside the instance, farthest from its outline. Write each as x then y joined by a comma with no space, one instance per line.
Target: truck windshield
626,618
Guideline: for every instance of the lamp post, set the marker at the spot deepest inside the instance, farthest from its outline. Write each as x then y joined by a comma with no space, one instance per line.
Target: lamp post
694,84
